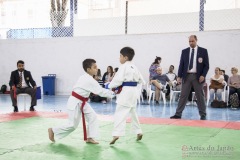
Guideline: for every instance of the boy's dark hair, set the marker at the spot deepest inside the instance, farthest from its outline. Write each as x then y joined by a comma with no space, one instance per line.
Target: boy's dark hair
20,61
127,52
172,66
87,63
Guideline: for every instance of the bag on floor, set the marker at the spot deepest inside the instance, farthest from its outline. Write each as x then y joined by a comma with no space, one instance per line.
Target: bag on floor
234,101
215,104
222,104
218,104
3,88
38,93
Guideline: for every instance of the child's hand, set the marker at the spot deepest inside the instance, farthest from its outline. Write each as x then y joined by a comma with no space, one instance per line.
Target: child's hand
106,85
112,95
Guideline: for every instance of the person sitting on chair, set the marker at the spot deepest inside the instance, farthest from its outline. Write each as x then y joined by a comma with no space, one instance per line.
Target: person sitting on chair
173,78
159,81
234,82
222,72
216,86
108,76
20,81
154,66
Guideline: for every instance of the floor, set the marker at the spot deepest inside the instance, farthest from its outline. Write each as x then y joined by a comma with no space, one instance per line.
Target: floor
58,104
24,136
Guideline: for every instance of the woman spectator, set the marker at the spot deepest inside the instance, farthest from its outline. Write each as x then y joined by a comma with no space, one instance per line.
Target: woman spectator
107,77
153,67
98,77
234,82
99,74
216,86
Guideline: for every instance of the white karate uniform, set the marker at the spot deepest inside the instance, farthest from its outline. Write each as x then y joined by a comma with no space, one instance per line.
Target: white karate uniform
127,99
85,85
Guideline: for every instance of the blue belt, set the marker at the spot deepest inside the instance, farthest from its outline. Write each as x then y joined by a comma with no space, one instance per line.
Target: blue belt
129,84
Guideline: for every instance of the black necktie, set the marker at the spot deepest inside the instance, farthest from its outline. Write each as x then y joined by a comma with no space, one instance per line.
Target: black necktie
20,80
191,60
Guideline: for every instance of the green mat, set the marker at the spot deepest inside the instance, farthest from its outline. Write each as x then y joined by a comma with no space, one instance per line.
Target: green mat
27,139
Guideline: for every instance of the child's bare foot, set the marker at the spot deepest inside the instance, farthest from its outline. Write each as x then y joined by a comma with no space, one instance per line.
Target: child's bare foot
139,137
90,140
51,134
115,138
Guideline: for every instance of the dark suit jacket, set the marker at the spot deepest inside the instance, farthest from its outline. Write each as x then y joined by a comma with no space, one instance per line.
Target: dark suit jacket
14,79
201,62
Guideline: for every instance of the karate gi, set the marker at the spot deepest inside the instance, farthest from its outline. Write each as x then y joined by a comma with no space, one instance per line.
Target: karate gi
85,85
127,99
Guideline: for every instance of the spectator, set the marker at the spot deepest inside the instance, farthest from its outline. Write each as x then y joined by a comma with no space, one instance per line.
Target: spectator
222,72
154,66
159,81
115,71
234,82
107,76
98,77
172,77
99,74
217,85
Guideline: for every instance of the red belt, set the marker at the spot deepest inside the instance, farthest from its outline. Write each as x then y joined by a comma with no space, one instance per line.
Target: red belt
84,100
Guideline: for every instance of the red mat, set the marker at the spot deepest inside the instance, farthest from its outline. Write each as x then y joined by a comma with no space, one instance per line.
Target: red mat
143,120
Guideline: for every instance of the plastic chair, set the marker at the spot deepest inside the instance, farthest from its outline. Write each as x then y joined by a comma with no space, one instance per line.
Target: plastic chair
139,86
151,94
24,95
172,92
223,93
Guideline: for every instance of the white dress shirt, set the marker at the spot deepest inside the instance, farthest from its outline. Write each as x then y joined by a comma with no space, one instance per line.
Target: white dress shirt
24,84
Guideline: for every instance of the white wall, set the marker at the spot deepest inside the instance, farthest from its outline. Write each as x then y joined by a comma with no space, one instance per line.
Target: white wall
64,56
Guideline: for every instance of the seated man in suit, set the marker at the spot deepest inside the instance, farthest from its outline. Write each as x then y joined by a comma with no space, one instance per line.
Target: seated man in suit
20,81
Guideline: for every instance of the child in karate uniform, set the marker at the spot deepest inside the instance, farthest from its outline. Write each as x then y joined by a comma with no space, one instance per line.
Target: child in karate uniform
77,103
128,77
